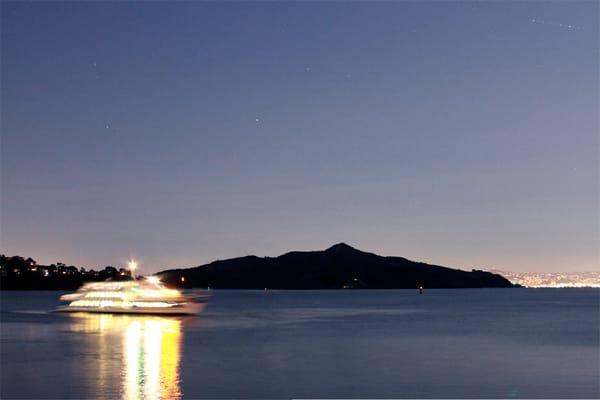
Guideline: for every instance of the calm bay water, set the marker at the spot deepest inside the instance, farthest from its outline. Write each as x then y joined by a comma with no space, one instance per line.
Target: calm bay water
500,343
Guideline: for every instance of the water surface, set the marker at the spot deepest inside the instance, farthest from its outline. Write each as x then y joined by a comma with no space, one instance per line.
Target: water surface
501,343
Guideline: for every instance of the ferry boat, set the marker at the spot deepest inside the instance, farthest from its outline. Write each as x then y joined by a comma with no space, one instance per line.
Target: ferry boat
138,296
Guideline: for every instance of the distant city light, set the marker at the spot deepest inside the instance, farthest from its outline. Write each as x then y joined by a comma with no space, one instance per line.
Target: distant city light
553,279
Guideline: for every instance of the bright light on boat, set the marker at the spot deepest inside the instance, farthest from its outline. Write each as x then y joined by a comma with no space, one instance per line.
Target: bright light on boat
132,265
153,279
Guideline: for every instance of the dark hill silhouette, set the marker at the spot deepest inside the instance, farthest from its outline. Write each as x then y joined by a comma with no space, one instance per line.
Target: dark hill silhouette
334,268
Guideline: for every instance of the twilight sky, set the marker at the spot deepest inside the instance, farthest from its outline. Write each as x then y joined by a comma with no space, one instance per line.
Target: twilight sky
459,133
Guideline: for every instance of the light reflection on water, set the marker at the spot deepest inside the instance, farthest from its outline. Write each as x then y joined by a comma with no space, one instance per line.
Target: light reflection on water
151,348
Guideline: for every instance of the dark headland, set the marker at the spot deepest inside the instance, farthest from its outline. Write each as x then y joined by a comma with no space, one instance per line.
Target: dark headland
340,266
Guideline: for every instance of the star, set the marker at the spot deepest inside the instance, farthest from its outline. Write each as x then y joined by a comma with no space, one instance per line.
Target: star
95,69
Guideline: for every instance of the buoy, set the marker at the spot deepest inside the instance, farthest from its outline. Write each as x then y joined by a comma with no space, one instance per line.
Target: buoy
420,289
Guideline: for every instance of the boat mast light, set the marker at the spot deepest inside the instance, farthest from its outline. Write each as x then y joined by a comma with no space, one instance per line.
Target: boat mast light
132,267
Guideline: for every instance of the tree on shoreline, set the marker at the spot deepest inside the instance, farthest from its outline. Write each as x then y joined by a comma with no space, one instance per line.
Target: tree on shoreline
19,273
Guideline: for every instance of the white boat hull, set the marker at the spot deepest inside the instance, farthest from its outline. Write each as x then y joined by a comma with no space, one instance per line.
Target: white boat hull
183,309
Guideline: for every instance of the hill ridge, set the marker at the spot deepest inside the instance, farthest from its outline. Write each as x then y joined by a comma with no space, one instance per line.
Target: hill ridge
338,266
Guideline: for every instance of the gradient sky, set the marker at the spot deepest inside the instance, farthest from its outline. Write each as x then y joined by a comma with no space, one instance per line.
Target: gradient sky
459,133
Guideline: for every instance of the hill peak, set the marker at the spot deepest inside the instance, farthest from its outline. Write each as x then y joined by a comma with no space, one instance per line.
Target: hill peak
341,248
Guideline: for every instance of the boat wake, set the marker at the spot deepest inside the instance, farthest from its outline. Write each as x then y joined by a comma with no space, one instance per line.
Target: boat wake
34,312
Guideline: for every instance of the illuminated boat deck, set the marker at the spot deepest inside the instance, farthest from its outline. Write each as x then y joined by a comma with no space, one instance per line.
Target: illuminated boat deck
147,296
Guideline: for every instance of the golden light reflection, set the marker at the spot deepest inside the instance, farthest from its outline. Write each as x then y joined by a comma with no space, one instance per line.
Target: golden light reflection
151,348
